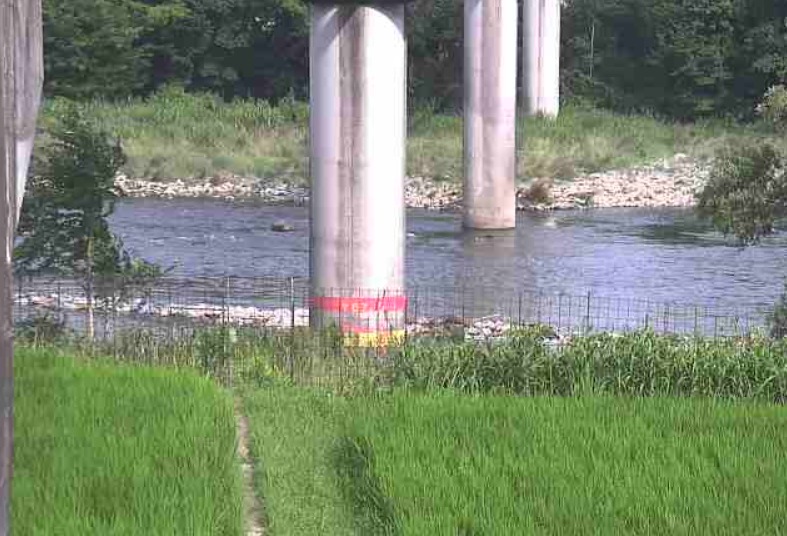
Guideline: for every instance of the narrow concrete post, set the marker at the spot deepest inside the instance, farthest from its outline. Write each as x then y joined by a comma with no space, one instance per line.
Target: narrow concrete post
490,114
358,128
21,76
541,57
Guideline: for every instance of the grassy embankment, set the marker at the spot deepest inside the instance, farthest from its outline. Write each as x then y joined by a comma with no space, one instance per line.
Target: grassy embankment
173,135
702,451
109,449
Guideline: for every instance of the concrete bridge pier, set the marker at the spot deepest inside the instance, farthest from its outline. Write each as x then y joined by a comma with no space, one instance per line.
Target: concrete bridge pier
541,57
21,77
490,114
358,129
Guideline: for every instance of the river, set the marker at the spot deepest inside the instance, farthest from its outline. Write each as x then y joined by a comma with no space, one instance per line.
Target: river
658,255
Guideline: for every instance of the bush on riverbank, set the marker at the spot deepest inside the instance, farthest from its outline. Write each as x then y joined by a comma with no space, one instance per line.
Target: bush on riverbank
174,135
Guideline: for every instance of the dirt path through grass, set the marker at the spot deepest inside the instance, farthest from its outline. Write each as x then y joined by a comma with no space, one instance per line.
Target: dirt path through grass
253,513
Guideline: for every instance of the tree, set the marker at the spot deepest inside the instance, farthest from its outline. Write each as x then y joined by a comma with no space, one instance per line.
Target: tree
103,48
63,225
745,197
747,191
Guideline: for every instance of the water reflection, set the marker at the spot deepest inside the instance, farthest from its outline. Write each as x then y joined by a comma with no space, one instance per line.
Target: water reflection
485,253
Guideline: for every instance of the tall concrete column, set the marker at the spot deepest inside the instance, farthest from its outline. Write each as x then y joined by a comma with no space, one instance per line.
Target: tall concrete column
21,75
541,57
490,114
358,128
28,80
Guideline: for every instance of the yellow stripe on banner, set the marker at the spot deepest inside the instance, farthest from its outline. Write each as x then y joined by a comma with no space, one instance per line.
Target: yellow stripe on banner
375,340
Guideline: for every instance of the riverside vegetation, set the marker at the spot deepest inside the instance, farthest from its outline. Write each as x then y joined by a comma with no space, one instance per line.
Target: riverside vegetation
176,141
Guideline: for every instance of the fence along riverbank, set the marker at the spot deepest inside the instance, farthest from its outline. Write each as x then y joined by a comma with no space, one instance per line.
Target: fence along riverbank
169,305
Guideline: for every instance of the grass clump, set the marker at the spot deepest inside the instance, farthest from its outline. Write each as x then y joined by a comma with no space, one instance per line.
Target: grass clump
108,449
634,364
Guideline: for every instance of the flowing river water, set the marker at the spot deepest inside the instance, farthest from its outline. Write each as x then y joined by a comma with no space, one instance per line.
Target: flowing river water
658,255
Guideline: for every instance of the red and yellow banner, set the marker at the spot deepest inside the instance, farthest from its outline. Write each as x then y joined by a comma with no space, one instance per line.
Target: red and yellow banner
367,321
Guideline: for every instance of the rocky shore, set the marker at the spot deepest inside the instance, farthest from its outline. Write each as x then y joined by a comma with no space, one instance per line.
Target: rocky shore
672,182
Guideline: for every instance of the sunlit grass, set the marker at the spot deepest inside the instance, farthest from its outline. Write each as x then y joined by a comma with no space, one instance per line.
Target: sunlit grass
174,135
442,463
497,465
107,449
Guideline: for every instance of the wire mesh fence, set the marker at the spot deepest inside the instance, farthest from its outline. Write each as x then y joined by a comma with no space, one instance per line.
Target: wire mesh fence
232,324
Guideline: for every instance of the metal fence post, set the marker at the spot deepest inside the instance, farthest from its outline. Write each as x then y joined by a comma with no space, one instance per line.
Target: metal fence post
291,359
225,328
587,314
520,309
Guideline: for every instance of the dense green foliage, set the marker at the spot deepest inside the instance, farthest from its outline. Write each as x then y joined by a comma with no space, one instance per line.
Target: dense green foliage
407,463
747,191
64,217
683,58
118,48
119,450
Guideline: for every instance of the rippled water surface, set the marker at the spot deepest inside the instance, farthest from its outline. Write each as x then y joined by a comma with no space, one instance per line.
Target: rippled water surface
663,255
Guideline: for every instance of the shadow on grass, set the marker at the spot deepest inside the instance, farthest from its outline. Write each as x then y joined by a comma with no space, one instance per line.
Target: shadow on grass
373,513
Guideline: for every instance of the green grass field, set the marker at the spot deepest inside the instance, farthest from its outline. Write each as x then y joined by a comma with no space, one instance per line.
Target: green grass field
434,464
107,449
172,135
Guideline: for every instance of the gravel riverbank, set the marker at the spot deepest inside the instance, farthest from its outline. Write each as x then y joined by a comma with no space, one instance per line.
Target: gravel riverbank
672,182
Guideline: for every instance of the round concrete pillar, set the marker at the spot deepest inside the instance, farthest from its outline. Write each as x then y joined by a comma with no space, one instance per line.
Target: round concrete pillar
21,75
28,78
490,114
541,57
358,129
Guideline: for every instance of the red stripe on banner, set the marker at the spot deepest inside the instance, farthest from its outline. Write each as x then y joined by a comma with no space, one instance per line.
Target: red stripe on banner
342,304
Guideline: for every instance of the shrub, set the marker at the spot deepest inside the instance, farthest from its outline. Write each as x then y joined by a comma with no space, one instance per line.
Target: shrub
41,329
777,320
539,192
747,191
773,108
